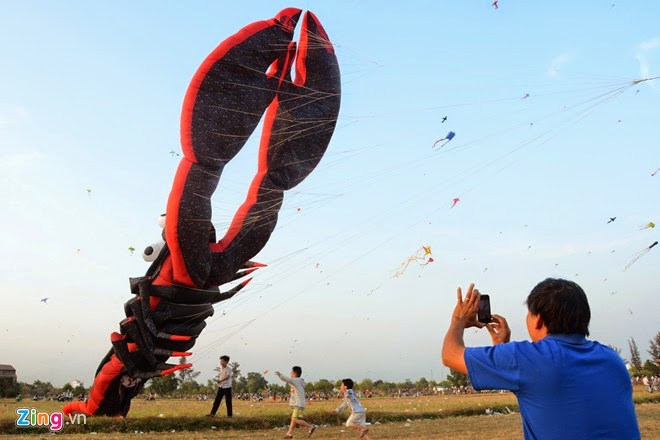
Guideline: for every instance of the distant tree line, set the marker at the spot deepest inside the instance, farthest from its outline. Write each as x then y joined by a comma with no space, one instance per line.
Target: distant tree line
253,383
38,389
651,367
184,383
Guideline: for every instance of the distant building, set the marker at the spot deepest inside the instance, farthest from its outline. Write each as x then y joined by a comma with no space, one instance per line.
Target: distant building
8,372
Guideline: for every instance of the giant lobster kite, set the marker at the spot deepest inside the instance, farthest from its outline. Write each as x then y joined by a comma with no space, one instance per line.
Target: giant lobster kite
246,75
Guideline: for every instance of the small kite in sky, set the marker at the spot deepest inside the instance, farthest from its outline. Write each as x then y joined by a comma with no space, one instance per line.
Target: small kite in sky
655,172
446,139
373,290
44,300
611,220
649,225
132,249
454,202
495,5
444,119
174,153
640,254
526,96
89,192
423,255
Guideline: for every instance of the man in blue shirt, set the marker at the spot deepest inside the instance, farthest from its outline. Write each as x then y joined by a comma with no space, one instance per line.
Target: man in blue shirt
567,386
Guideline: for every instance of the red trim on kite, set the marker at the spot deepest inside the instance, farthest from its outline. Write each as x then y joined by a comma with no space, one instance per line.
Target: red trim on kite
180,274
173,369
101,383
301,59
165,274
75,407
153,302
325,40
181,353
283,18
262,170
191,94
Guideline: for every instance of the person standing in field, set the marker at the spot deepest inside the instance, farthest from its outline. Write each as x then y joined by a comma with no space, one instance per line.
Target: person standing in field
297,401
567,386
224,381
358,418
129,387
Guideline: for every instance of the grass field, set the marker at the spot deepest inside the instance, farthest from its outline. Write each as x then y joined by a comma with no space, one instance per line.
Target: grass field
437,417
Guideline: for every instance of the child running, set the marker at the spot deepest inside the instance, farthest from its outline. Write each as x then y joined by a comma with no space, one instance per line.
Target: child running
297,401
358,418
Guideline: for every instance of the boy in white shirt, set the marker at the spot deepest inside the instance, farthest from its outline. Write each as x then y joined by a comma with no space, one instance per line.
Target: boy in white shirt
297,401
358,418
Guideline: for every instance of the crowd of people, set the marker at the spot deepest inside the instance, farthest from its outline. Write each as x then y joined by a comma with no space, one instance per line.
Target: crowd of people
652,383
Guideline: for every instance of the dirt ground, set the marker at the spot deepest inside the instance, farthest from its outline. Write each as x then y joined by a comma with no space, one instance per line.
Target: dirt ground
499,427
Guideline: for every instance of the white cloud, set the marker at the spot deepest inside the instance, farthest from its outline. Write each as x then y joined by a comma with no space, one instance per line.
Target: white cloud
558,63
649,44
13,115
643,51
14,167
14,161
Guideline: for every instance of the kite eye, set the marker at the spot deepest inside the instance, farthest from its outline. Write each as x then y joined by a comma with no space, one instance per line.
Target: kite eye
151,252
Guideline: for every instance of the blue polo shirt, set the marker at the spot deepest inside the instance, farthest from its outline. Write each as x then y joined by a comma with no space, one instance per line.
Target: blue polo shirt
567,386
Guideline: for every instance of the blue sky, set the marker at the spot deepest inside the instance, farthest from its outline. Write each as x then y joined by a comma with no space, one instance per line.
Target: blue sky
90,98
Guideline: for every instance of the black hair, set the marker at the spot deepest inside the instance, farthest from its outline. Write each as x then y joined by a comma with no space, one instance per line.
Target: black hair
348,383
562,305
224,357
297,370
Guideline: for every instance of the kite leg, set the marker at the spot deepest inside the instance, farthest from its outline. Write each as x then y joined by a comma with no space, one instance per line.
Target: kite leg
297,129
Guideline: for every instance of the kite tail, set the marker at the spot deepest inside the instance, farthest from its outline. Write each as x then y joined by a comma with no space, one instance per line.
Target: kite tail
104,395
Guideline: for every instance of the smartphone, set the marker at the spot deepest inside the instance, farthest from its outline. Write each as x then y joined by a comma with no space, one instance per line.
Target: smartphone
483,314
